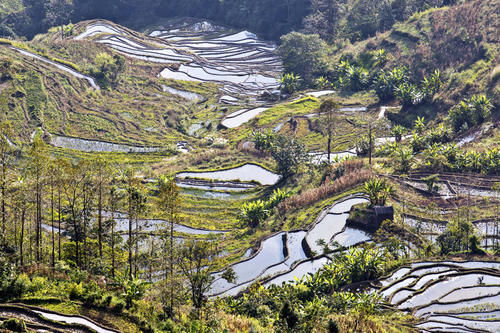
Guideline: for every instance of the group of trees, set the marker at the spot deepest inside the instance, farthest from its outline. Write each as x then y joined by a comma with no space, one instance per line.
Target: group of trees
434,146
305,60
271,18
356,20
56,210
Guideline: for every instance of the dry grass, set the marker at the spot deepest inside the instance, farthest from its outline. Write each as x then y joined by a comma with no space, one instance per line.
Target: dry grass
371,324
354,174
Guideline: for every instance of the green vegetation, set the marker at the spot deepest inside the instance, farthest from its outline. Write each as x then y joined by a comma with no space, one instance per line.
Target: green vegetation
378,191
116,237
470,112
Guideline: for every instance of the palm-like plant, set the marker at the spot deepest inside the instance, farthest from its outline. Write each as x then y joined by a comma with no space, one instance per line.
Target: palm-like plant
431,85
405,159
290,83
254,212
378,190
322,83
419,125
398,131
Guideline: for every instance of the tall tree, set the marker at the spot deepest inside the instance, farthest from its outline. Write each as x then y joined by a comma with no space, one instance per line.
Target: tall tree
327,116
72,188
168,203
101,179
21,202
325,18
132,182
5,162
196,262
57,13
303,55
37,157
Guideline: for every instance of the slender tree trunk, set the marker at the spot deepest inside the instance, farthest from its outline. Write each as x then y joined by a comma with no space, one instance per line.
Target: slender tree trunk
85,208
4,180
37,222
112,241
136,256
329,146
59,222
130,219
99,219
171,263
16,218
52,220
370,144
76,227
21,240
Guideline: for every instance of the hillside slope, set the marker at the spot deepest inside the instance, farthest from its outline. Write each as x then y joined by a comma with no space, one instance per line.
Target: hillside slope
461,41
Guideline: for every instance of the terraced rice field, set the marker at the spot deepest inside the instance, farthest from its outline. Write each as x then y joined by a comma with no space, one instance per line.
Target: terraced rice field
66,69
282,256
240,62
50,321
447,296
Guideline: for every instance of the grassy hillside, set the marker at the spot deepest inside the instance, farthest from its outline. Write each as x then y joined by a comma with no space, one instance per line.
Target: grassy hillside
135,111
461,41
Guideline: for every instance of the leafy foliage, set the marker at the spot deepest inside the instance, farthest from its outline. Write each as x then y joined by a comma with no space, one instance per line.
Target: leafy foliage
378,190
290,83
303,55
470,112
289,154
108,69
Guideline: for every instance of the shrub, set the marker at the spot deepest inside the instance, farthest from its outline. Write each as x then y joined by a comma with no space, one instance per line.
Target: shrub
254,212
20,286
333,327
263,140
14,325
470,112
457,237
289,154
119,306
290,83
430,181
387,82
107,300
108,68
75,291
37,283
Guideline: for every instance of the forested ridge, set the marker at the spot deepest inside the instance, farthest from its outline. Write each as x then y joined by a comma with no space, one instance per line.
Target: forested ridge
356,19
